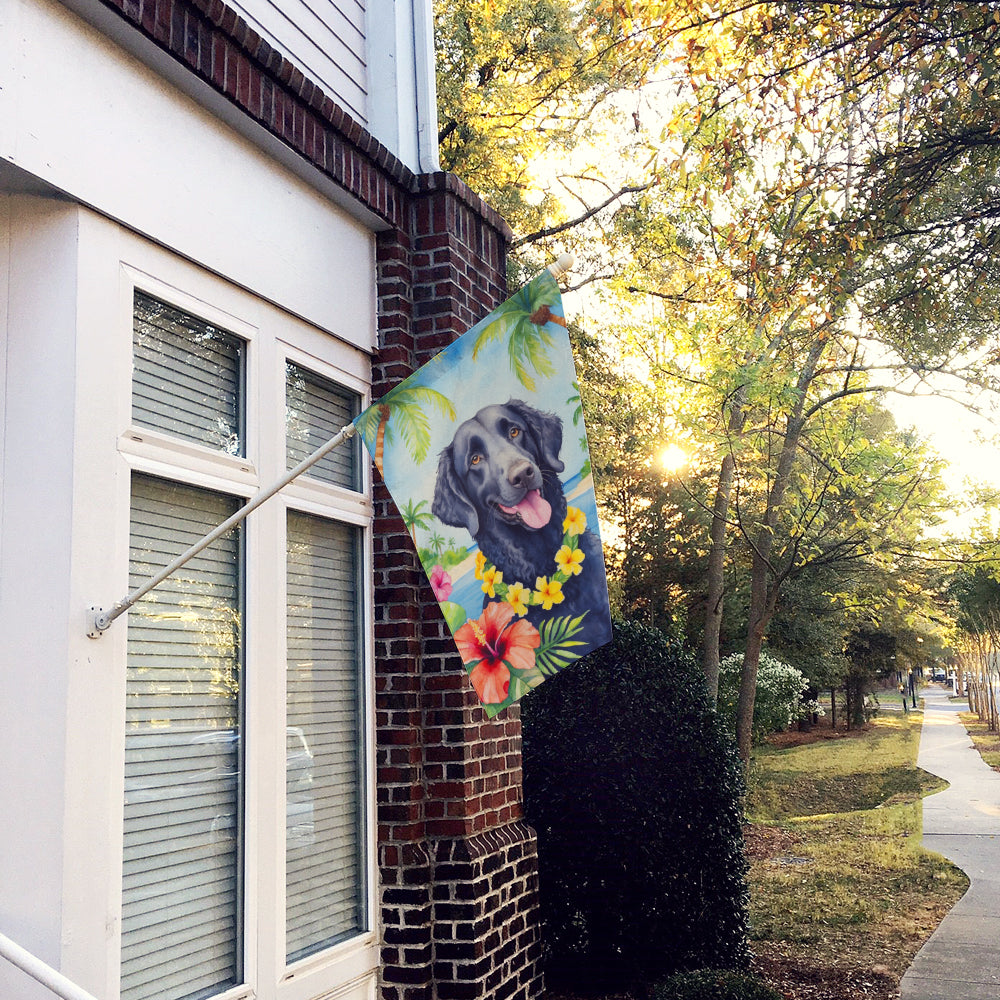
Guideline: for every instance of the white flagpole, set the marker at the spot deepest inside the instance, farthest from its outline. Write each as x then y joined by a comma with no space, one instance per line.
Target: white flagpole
101,619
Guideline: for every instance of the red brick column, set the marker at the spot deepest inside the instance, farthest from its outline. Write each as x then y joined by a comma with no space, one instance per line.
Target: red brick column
458,867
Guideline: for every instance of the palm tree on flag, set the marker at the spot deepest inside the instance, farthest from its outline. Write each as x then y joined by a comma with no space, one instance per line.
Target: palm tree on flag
414,516
405,405
436,544
521,319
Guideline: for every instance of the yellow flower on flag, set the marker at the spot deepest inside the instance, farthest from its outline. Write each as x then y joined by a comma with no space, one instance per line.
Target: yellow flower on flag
548,592
517,598
480,565
569,560
492,578
575,522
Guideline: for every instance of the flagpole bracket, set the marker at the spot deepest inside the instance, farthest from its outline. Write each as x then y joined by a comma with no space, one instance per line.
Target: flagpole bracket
97,622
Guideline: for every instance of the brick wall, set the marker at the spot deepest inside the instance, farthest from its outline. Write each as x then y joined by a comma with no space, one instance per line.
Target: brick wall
458,867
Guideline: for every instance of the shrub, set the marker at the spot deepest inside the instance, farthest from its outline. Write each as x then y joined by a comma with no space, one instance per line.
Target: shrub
633,788
711,984
779,690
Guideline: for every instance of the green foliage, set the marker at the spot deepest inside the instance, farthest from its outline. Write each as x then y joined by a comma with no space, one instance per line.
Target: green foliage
634,791
711,984
779,688
446,559
555,649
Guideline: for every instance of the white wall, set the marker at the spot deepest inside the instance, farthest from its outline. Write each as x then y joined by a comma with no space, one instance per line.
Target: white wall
37,341
65,465
402,94
375,58
82,115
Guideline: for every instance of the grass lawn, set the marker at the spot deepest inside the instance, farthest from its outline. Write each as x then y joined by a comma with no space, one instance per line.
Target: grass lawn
987,743
842,895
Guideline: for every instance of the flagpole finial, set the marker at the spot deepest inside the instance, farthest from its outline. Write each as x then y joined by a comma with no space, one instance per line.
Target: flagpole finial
563,263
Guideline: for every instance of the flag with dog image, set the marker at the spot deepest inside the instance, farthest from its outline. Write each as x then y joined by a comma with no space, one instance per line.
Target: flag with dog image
485,454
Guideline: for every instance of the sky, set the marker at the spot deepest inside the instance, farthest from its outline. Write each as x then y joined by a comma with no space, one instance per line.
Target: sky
961,438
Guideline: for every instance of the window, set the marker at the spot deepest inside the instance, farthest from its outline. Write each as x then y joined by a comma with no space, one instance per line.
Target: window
187,377
324,859
205,830
315,409
182,870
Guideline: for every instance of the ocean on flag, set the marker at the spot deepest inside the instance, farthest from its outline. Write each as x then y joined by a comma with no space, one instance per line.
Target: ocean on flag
485,454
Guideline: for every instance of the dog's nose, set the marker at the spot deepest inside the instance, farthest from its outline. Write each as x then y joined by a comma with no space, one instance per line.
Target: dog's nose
522,475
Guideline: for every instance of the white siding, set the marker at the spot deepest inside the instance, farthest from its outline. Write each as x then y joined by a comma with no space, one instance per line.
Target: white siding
325,39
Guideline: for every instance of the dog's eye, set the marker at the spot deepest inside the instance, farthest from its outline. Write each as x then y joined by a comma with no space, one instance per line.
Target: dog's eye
475,460
515,432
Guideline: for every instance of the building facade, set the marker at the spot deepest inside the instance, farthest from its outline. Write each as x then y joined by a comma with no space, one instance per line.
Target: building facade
222,232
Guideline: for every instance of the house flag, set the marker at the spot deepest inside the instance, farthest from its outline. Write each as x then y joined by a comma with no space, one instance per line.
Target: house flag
485,454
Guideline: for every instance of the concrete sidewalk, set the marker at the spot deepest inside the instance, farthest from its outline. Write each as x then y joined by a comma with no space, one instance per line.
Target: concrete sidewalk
961,959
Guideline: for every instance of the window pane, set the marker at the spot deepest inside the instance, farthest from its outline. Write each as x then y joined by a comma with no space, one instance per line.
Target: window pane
182,873
187,378
315,410
325,801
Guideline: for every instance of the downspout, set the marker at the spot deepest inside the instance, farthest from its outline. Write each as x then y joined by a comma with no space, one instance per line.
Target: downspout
425,86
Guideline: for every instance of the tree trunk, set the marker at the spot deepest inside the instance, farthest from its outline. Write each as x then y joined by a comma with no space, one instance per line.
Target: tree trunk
833,708
384,412
762,601
763,597
716,579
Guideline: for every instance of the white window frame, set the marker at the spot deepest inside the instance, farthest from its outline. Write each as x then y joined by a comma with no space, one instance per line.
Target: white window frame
272,337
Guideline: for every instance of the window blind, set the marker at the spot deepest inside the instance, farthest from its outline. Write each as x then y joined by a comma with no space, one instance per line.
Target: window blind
182,872
325,863
315,409
187,377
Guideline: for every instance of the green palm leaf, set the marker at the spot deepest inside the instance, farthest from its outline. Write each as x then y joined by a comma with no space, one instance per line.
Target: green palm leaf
409,403
557,647
527,342
367,425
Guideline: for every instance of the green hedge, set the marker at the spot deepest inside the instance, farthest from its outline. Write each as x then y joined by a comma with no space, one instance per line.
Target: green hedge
633,788
711,984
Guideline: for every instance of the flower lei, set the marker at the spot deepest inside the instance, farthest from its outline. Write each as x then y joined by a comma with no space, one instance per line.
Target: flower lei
548,589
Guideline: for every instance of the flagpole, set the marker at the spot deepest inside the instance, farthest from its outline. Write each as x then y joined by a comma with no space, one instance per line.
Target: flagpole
100,619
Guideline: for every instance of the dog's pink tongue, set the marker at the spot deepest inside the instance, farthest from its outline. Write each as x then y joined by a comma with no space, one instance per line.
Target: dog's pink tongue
534,510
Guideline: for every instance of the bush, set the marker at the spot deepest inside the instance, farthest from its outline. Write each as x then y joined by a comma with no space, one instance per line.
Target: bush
779,691
633,788
710,984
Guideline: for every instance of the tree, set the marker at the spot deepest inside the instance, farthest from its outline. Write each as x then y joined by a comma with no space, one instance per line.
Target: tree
406,403
415,516
808,217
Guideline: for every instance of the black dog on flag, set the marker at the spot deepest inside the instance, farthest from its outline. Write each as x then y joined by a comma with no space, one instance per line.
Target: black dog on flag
499,479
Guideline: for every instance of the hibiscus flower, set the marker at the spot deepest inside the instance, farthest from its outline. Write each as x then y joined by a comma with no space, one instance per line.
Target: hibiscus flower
548,592
568,560
517,597
494,644
480,565
575,522
492,578
440,583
